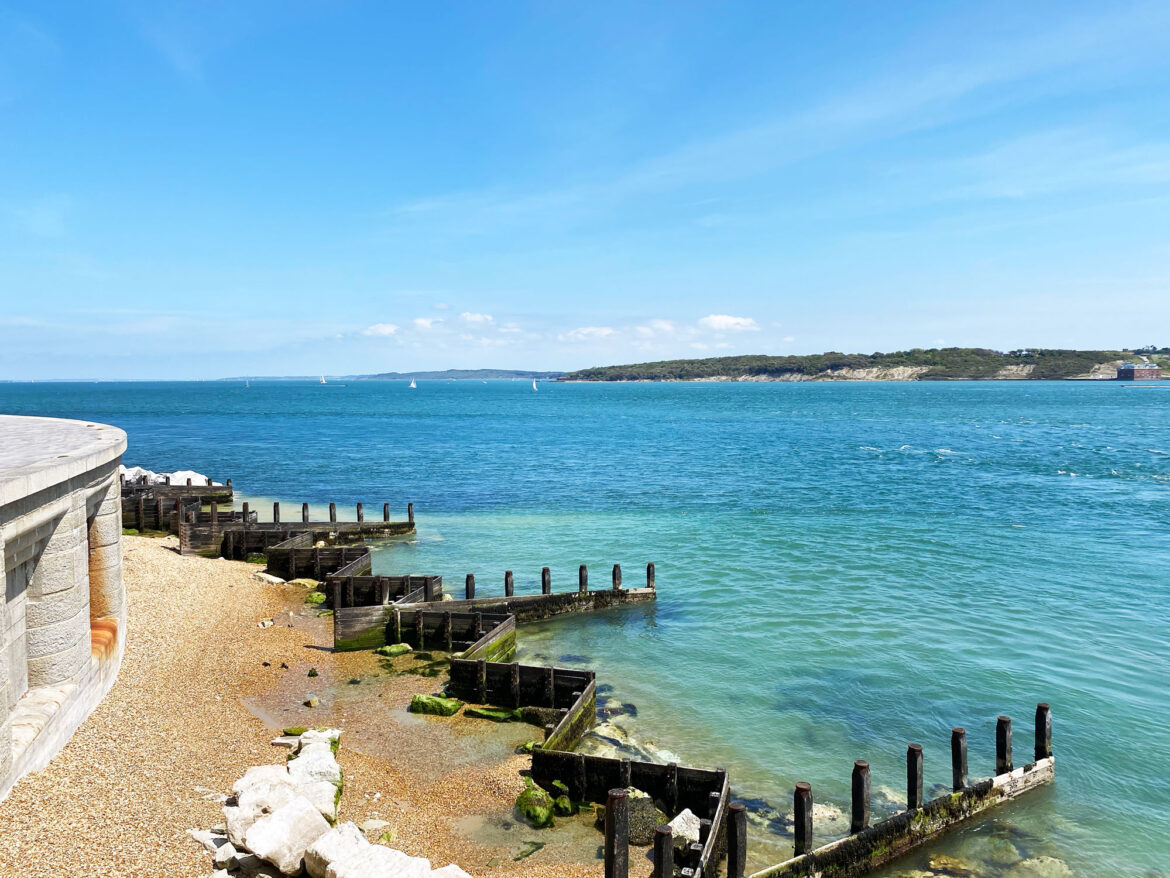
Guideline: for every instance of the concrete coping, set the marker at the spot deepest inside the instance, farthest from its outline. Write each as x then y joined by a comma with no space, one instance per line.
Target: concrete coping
38,453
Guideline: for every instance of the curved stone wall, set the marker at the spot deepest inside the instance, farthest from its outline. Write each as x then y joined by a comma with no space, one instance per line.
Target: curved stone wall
63,617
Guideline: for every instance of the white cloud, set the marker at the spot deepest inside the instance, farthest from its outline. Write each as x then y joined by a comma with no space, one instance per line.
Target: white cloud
727,323
441,306
427,322
509,327
587,333
380,329
471,317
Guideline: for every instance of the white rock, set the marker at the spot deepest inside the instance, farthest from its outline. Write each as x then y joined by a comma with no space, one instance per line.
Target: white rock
320,736
376,861
267,578
323,795
255,802
225,857
261,774
685,825
341,843
283,836
290,741
211,841
373,825
314,763
449,871
1039,867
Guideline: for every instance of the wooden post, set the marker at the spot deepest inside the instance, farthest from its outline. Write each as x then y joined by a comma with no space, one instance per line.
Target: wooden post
860,818
617,835
671,785
231,546
158,514
650,575
418,628
623,764
276,513
514,683
188,483
1043,731
736,839
958,758
349,591
141,514
333,512
802,806
410,513
361,515
304,513
397,623
447,628
914,777
713,798
550,689
228,484
469,586
617,577
509,585
664,853
583,579
246,510
190,518
385,512
1003,744
704,832
209,481
578,785
545,581
481,680
428,588
214,514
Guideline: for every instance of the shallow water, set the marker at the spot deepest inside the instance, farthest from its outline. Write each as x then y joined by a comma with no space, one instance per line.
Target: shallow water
842,568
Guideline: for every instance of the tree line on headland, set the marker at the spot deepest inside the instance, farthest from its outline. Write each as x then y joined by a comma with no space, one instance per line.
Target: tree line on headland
917,364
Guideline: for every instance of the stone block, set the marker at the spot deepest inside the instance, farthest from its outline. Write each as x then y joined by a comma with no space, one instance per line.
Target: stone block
283,836
341,843
58,607
59,667
55,637
315,763
375,861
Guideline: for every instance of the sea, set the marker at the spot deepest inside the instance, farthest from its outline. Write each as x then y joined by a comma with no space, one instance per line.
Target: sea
842,568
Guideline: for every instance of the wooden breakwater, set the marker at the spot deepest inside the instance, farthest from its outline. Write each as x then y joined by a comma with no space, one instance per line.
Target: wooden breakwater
869,847
362,612
148,507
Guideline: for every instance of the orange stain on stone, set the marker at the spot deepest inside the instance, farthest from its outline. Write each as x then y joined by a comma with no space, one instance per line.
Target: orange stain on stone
103,635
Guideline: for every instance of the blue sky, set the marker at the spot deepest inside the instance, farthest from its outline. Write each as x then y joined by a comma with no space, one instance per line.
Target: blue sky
207,189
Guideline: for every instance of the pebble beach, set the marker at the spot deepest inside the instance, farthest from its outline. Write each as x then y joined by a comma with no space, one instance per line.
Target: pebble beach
181,725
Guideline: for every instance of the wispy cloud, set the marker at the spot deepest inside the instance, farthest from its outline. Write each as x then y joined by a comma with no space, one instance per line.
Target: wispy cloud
587,333
427,322
380,329
471,317
727,323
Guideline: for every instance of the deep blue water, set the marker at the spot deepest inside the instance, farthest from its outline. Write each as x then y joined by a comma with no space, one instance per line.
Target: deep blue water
842,568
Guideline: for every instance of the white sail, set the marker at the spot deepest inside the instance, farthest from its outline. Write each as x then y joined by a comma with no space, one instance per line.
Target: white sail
413,386
322,379
534,384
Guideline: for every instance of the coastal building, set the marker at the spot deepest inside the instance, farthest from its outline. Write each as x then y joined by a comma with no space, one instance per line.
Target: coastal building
1138,372
63,617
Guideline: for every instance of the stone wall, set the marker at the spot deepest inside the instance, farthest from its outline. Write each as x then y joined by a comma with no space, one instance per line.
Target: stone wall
63,617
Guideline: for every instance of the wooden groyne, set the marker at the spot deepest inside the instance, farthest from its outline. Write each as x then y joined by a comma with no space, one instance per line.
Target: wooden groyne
870,847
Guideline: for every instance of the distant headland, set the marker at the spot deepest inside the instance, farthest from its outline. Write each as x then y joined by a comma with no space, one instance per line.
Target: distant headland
939,364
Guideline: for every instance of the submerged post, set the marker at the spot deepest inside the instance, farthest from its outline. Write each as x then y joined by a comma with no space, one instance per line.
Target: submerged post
361,515
333,512
617,835
664,853
583,579
860,818
509,585
276,513
1003,744
545,581
650,575
914,777
617,577
228,483
469,586
736,839
802,807
385,512
304,513
958,758
1043,731
410,512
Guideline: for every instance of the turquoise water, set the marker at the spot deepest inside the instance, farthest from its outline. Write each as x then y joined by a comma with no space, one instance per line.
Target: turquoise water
842,568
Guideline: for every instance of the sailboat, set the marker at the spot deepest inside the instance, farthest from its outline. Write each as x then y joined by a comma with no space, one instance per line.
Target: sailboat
413,386
247,383
534,384
322,379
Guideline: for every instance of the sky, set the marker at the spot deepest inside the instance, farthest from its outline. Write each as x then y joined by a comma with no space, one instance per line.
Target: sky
209,189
